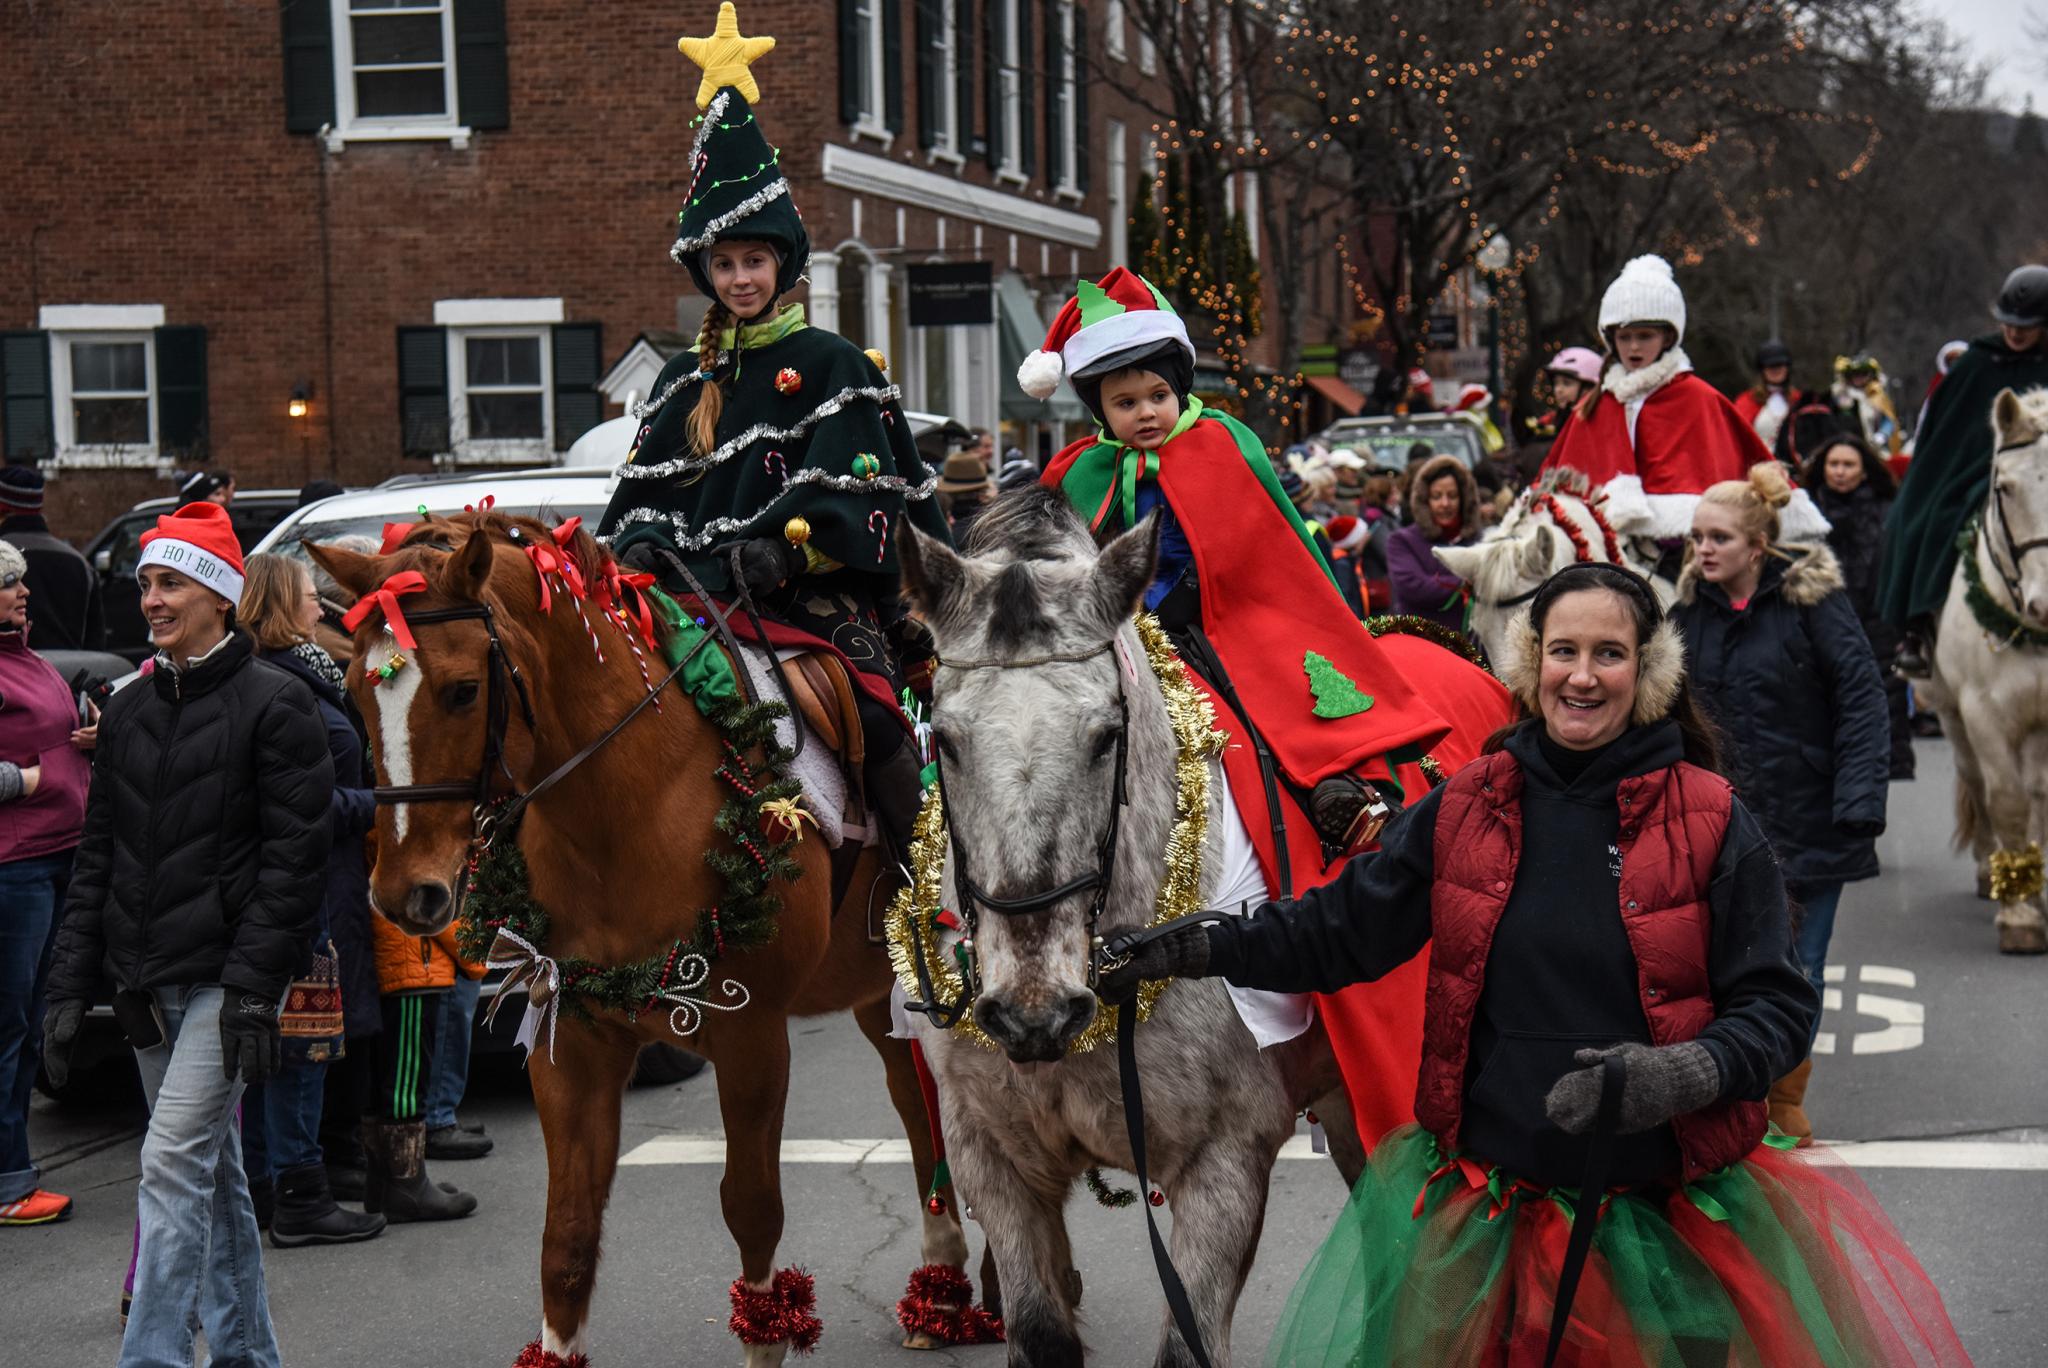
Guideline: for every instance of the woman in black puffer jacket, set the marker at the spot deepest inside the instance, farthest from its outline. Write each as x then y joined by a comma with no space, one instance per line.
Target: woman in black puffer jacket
1774,651
196,892
1854,491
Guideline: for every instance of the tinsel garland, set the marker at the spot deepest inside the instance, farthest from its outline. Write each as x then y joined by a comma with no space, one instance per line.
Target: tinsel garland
2017,875
761,432
498,895
1993,616
535,1356
1407,624
718,528
1116,1199
1196,742
786,1310
940,1303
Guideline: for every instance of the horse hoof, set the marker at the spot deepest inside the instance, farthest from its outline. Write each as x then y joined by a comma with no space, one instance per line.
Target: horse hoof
2023,940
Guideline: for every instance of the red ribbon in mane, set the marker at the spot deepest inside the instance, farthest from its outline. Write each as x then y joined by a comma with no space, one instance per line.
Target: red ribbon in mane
385,599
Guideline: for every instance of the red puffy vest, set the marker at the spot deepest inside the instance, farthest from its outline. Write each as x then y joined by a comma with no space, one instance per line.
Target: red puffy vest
1672,824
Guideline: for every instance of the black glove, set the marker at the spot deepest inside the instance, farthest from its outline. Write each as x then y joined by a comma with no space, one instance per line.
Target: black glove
249,1040
766,563
1660,1082
1182,952
60,1032
645,556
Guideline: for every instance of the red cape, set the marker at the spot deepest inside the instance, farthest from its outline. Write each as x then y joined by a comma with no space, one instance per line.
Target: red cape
1266,602
1688,436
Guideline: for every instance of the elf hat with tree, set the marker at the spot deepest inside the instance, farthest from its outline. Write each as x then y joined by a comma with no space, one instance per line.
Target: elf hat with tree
1121,315
737,189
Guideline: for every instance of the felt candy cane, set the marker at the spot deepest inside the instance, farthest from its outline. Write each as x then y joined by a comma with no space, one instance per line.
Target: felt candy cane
878,523
775,464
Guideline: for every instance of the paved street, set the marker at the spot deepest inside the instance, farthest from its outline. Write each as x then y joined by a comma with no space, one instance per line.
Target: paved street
1946,1046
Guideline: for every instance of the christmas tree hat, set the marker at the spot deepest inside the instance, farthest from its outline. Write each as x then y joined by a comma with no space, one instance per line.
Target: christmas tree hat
737,189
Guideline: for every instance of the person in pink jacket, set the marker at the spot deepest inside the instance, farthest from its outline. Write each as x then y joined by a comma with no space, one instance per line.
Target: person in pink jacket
43,772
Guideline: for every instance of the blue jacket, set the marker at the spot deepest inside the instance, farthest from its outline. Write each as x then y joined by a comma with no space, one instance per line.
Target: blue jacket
1793,685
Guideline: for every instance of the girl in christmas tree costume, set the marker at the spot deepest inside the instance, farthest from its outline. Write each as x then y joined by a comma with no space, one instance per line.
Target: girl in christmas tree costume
774,447
1329,724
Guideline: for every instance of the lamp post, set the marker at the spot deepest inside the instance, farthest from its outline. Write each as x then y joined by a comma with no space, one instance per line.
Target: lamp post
1493,258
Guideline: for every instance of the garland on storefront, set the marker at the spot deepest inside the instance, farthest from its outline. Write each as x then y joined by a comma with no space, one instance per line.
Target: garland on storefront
498,896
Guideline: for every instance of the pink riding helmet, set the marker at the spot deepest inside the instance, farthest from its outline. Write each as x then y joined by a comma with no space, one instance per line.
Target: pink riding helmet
1580,361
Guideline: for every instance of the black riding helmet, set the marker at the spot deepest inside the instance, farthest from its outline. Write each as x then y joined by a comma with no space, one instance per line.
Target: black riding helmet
1773,353
2023,301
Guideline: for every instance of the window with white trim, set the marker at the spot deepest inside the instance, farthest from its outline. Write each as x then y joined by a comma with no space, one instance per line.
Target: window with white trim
111,394
1148,54
867,20
946,99
1116,165
1010,73
394,65
1113,44
1071,28
501,396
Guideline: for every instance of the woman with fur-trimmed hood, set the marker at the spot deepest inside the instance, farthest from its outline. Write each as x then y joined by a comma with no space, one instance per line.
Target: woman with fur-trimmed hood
1654,435
1443,500
1780,661
1591,890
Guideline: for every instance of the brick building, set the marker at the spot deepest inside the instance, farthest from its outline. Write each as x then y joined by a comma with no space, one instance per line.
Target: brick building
345,238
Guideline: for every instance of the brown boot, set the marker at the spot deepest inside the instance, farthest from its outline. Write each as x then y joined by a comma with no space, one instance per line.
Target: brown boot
1788,1103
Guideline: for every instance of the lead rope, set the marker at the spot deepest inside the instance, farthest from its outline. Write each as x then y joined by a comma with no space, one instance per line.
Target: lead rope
1134,1121
1586,1206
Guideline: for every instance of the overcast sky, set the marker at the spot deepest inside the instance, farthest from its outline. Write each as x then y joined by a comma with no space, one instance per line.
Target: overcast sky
1996,31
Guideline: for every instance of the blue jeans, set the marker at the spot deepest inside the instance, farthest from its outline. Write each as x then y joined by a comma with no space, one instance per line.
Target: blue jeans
1816,929
291,1109
449,1077
200,1262
30,891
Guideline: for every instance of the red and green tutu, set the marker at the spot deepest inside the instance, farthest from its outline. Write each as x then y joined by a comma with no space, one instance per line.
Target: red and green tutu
1781,1261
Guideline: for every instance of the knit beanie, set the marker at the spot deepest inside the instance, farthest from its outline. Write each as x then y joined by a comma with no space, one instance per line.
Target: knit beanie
1644,292
21,488
197,541
12,562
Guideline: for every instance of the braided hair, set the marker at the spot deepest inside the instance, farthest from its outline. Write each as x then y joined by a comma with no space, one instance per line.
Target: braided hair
711,399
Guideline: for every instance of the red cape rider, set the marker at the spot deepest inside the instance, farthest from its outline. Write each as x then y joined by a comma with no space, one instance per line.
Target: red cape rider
1655,435
1330,725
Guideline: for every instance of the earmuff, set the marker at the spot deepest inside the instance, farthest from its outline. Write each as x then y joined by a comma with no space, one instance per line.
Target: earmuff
1660,663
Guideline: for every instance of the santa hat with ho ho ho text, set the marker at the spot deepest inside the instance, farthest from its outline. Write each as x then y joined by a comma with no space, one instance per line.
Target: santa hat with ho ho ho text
199,542
1121,315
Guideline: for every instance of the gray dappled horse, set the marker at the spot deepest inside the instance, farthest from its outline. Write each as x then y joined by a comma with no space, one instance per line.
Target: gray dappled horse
1029,754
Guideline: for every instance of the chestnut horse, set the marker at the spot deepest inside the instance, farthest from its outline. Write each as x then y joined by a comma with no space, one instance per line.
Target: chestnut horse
615,851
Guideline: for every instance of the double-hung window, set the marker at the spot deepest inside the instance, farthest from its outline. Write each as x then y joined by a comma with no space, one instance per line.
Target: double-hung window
111,389
1010,77
1066,121
944,88
395,61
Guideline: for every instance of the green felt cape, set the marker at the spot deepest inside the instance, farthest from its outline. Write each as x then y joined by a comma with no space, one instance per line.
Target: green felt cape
1949,477
828,444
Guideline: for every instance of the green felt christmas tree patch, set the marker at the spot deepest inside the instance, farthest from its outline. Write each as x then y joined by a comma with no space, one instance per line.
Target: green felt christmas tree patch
1336,696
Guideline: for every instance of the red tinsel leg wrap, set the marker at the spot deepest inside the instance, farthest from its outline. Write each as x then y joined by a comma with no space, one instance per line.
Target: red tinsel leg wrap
783,1312
940,1303
533,1356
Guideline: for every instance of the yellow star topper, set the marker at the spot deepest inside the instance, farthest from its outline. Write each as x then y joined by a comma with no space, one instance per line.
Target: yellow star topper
725,57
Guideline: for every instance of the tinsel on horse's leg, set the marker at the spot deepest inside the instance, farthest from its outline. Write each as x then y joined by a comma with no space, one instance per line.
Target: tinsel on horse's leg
753,1088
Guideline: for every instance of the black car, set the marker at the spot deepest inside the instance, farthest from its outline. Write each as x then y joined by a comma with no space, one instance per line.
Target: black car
115,551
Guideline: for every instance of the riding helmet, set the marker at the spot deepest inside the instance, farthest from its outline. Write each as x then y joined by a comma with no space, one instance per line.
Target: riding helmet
2023,302
1773,353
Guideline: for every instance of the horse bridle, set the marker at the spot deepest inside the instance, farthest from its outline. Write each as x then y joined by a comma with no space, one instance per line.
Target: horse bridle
2015,552
973,897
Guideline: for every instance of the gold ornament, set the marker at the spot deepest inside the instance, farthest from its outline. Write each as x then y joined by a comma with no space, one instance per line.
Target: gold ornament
725,57
2017,874
796,531
1196,742
881,361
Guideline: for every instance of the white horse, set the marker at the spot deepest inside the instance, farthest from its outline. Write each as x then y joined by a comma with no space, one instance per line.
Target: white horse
1557,521
1990,681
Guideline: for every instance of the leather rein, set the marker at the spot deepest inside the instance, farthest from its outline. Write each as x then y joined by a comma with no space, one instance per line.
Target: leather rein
2015,553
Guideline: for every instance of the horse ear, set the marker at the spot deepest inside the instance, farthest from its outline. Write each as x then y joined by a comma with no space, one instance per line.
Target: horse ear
1465,561
2010,422
1125,569
932,571
1537,553
355,571
464,574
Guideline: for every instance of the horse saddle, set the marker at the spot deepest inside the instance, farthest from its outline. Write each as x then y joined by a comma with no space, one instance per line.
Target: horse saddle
824,696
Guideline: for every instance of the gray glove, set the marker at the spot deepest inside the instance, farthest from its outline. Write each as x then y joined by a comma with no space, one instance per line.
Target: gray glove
1182,952
60,1031
1662,1081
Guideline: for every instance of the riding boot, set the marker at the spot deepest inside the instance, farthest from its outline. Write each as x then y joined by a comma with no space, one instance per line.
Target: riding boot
895,793
1916,650
1788,1103
398,1184
307,1214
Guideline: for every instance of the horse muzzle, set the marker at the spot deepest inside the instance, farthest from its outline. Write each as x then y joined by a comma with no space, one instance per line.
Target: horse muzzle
1039,1034
426,909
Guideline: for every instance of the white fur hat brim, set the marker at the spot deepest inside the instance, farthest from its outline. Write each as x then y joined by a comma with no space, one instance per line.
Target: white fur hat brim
1660,671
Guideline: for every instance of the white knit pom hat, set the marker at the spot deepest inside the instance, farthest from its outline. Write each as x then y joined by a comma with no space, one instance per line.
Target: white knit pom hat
1644,292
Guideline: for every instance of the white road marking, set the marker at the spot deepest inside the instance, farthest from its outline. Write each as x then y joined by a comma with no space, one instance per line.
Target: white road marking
394,731
2010,1156
1906,1021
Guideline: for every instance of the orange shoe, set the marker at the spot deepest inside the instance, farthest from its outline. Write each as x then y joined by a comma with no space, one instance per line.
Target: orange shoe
38,1208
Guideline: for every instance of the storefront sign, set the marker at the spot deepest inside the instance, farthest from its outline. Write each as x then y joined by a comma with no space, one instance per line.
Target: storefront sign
951,294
